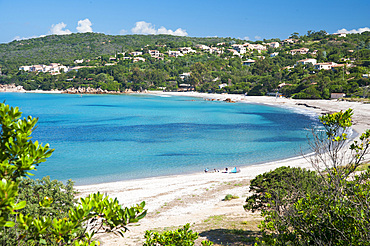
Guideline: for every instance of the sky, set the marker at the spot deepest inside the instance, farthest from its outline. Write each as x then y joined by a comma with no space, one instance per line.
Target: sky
243,19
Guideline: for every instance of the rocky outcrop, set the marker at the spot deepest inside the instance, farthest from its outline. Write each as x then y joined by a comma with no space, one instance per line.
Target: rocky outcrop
11,88
89,90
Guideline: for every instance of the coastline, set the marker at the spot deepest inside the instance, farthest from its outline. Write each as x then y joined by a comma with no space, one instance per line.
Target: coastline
191,198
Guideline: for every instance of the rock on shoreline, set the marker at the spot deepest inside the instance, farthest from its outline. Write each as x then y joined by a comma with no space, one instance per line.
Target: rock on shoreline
11,88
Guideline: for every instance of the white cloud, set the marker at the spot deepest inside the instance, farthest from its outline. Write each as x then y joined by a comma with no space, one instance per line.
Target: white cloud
123,31
84,26
246,38
360,30
58,29
257,37
143,27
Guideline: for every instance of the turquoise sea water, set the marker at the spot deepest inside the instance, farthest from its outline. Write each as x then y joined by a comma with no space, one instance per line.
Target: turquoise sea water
103,138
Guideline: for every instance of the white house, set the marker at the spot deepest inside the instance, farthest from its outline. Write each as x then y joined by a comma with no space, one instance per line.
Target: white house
325,65
25,68
202,47
184,75
235,53
220,86
258,47
248,62
340,35
137,59
37,68
154,53
186,50
136,53
240,48
301,51
175,53
274,45
306,61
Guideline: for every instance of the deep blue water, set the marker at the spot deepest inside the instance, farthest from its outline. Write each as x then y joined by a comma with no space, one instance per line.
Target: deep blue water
102,138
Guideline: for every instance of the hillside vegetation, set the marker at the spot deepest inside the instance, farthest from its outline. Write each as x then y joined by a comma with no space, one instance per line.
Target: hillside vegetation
108,64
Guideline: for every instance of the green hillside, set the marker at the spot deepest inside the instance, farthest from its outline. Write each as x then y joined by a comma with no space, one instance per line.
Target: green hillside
67,48
336,64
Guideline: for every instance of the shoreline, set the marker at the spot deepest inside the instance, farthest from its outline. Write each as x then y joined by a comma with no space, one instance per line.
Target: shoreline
191,198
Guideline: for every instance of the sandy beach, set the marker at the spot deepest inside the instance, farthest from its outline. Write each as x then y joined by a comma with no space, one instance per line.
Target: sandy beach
173,201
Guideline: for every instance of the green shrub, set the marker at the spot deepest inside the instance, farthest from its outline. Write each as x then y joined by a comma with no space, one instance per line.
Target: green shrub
179,237
229,197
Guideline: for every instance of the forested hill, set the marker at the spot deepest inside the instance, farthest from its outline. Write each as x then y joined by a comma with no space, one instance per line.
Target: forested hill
303,66
67,48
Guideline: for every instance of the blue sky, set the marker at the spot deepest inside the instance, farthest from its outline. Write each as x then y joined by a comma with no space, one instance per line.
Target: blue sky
254,20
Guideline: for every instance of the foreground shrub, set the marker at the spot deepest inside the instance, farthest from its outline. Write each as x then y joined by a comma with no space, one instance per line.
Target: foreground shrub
180,237
45,223
328,207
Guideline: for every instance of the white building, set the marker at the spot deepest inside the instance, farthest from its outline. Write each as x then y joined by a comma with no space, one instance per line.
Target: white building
174,53
325,65
306,61
184,75
186,50
301,51
240,48
137,59
248,62
274,45
25,68
136,53
235,53
153,53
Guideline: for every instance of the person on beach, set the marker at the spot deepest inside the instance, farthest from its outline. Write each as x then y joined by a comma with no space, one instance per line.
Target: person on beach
206,170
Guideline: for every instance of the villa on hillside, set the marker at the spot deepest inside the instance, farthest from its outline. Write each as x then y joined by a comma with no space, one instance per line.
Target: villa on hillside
175,53
274,44
240,48
137,59
136,53
325,65
53,68
186,50
184,76
153,53
248,62
301,51
340,35
290,41
234,52
306,61
258,47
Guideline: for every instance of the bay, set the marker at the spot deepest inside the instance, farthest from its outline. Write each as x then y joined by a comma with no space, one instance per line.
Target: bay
104,138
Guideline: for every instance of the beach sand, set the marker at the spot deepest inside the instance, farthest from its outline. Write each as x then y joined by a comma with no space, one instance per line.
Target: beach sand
173,201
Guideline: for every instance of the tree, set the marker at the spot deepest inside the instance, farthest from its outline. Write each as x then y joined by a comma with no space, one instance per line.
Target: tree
330,206
93,214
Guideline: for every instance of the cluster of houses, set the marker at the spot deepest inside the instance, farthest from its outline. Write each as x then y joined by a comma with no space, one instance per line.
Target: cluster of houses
235,49
53,68
321,66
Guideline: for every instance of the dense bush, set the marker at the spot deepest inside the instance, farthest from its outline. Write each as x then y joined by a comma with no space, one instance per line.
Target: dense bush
180,237
47,221
330,206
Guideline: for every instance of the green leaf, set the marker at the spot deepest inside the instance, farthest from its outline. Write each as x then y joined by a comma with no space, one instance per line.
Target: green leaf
20,205
9,224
